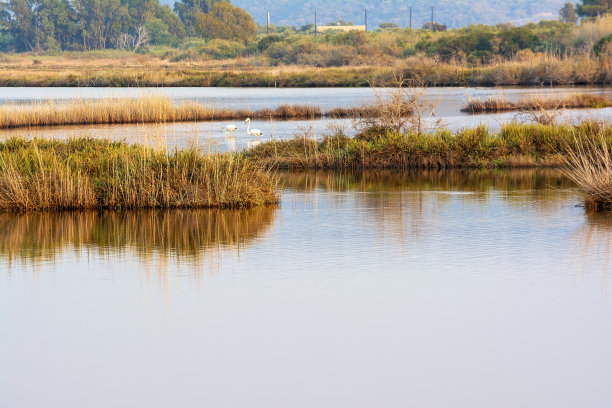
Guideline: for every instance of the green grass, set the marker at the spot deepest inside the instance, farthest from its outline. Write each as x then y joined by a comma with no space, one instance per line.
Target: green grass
515,145
85,173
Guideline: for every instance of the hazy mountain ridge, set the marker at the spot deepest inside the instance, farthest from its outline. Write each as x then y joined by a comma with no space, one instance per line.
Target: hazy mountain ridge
453,13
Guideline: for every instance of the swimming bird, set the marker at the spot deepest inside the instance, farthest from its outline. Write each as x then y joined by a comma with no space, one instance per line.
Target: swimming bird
230,129
253,132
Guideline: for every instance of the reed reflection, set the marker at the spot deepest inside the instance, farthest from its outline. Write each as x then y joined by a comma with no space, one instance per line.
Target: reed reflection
530,180
406,205
595,239
183,235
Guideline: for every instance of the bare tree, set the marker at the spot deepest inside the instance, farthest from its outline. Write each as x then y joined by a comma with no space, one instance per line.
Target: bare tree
399,108
125,41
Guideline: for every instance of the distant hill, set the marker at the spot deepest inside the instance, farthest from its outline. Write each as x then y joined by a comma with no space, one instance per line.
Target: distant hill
453,13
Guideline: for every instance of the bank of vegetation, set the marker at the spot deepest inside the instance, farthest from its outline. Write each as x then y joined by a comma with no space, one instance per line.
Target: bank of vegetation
96,174
158,109
129,70
582,152
501,104
515,145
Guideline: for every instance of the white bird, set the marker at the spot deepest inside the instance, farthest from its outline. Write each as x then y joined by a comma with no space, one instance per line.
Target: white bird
253,132
230,129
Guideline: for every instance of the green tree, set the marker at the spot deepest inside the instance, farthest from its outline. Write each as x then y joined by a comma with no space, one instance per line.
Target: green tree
37,25
436,26
57,25
593,8
187,10
516,39
101,21
227,22
567,14
154,17
387,24
19,16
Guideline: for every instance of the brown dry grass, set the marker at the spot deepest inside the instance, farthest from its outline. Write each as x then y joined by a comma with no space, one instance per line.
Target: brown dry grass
589,165
127,69
500,104
96,174
154,109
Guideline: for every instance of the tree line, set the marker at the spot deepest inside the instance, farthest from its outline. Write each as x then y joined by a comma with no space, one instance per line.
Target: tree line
57,25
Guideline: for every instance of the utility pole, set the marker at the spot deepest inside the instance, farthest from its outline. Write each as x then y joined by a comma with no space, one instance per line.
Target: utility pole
411,17
433,27
366,18
315,22
268,24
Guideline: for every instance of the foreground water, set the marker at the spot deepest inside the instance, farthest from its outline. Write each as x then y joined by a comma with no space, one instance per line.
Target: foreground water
445,103
452,289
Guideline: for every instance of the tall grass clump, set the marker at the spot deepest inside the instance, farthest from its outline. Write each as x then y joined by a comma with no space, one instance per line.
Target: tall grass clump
145,109
155,109
514,145
589,165
84,173
500,104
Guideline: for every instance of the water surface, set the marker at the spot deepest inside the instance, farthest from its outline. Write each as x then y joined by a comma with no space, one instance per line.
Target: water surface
445,103
429,289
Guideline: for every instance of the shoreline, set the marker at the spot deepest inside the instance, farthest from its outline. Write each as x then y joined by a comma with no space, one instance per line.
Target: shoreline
81,71
85,173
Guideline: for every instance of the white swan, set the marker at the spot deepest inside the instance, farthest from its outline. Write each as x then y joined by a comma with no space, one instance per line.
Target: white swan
253,132
230,129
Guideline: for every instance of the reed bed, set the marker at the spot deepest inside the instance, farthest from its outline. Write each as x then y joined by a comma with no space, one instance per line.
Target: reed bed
85,173
514,146
154,109
86,69
589,165
501,104
404,108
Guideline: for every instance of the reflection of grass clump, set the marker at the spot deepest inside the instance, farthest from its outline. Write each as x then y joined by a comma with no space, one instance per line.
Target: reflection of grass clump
180,233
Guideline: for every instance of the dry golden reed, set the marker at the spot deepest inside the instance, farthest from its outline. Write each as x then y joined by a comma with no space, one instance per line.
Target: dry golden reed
589,165
501,104
128,70
85,173
152,109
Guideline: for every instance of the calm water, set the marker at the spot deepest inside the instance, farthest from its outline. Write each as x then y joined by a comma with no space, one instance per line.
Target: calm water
446,102
453,289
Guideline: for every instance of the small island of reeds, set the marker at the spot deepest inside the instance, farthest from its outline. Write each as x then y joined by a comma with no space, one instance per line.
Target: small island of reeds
42,174
159,109
582,152
85,173
501,104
